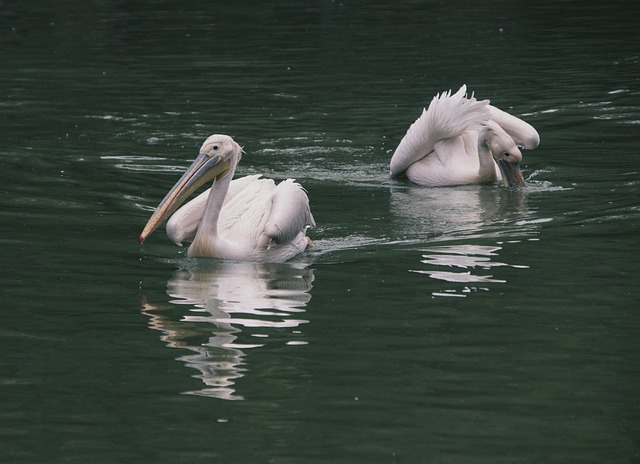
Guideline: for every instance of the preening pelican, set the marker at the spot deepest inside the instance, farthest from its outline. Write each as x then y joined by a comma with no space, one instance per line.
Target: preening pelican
460,140
249,219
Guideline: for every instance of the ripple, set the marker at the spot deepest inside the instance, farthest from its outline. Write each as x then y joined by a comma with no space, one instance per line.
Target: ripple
474,259
227,306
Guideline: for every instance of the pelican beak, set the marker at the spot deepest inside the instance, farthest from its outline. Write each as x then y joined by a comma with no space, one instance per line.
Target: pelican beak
511,174
204,169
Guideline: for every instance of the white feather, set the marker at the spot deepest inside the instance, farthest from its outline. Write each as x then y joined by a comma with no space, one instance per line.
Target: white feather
447,116
257,220
456,141
522,132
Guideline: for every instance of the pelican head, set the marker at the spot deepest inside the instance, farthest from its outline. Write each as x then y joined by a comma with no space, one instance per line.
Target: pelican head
505,152
217,158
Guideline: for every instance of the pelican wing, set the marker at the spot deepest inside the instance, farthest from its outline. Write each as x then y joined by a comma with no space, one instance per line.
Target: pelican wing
243,213
183,224
264,213
238,185
447,116
290,212
521,132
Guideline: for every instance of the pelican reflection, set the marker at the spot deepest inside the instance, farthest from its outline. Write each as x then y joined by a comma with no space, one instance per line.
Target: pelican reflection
468,228
445,213
230,308
465,264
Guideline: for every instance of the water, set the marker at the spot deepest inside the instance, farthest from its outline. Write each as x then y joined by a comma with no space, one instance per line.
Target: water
467,324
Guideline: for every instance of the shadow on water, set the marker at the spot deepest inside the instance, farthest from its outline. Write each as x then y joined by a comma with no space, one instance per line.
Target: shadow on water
219,310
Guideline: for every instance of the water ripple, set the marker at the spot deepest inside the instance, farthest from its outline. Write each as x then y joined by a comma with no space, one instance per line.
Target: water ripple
228,307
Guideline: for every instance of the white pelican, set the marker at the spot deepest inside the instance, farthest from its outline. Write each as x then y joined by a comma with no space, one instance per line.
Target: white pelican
249,219
460,140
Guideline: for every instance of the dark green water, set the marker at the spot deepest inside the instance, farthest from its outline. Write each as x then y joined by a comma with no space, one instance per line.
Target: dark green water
470,324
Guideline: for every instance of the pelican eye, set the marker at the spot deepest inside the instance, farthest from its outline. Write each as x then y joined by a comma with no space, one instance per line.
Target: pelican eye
215,147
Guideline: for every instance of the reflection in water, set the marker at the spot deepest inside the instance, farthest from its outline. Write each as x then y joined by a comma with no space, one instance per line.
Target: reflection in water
460,214
226,302
472,258
454,212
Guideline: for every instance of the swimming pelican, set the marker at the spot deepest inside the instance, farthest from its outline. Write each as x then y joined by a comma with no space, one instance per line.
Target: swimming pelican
460,140
248,219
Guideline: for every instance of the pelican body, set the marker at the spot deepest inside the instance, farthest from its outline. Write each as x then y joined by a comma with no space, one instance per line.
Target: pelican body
248,219
459,140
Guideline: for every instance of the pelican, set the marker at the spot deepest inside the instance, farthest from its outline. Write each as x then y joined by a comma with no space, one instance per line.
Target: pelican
459,140
248,219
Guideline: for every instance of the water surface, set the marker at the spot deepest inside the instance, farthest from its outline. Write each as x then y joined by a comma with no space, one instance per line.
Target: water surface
464,324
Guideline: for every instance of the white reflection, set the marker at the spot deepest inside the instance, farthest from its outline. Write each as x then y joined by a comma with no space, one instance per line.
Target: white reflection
465,216
456,212
474,259
231,307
